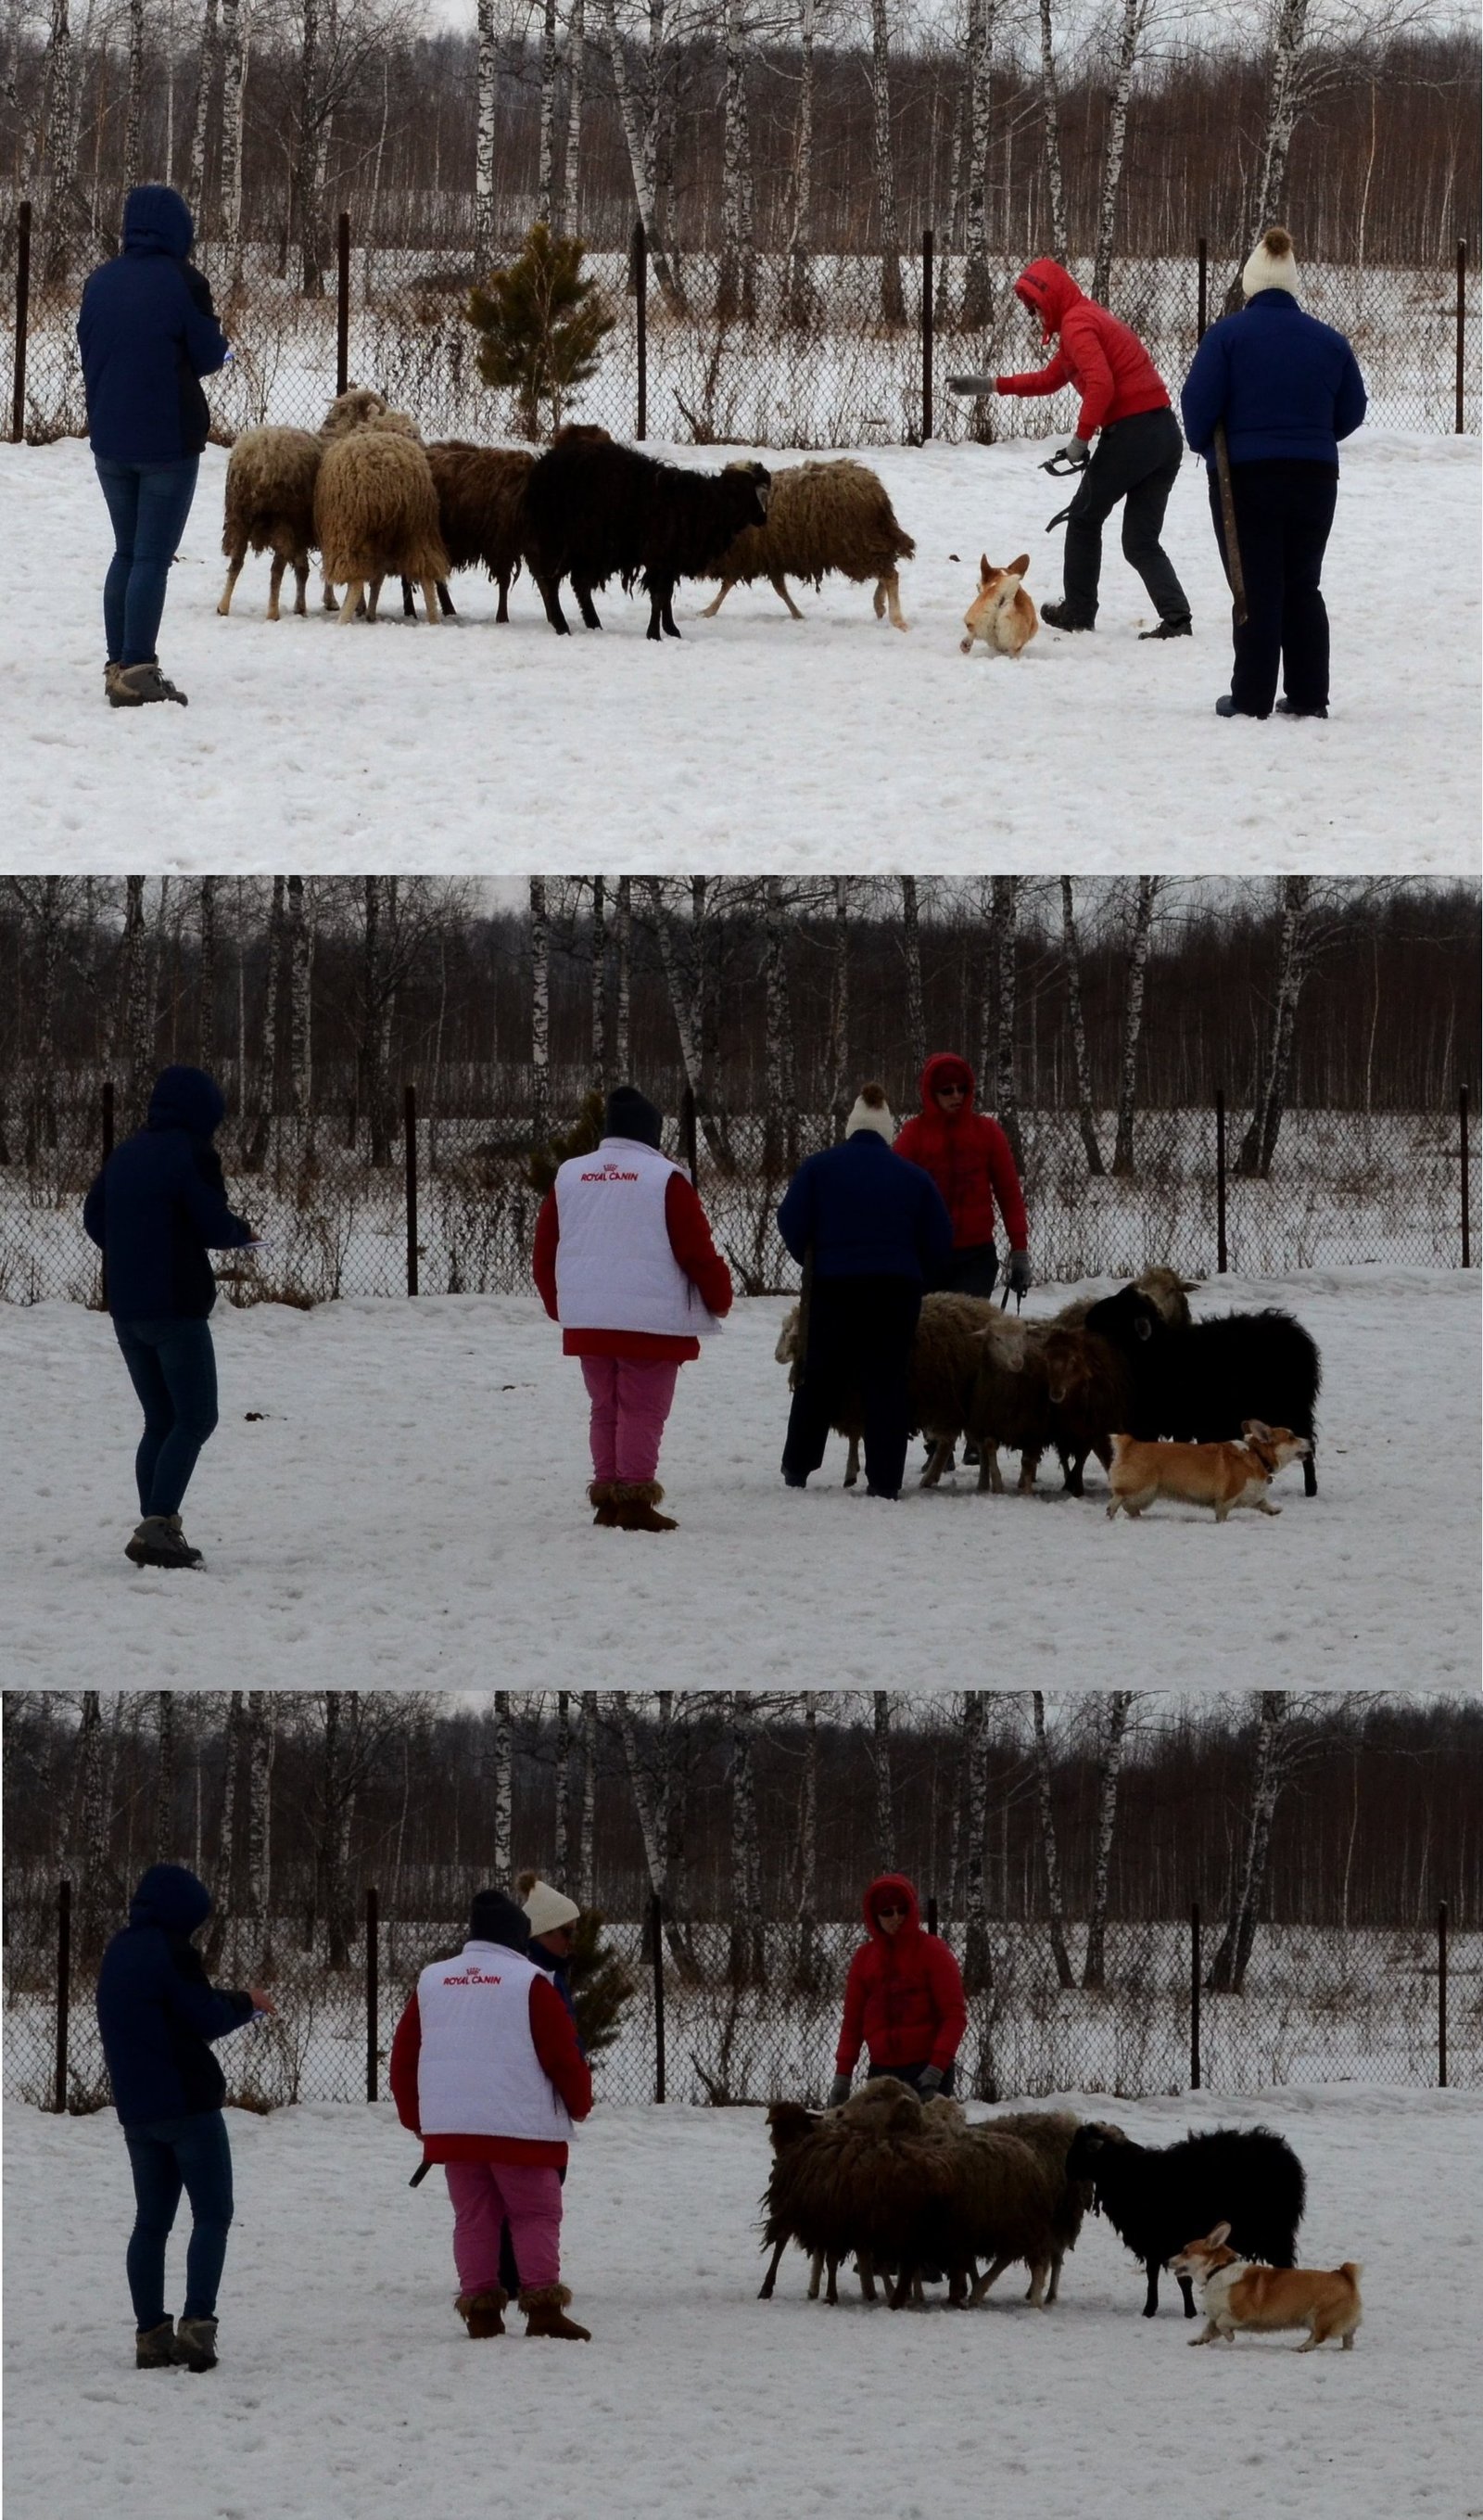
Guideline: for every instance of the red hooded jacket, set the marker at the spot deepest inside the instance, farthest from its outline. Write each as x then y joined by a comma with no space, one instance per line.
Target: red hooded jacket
970,1159
903,1998
1102,358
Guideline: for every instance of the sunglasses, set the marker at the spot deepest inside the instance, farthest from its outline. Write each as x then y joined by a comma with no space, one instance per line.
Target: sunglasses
882,1913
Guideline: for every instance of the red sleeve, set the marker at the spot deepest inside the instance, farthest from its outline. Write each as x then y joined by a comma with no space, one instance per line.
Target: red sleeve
689,1241
852,2035
1094,377
904,1143
1037,381
1004,1181
406,2048
548,1231
556,2045
946,1981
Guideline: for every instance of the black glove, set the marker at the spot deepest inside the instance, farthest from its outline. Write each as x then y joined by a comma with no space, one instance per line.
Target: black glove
1017,1274
838,2092
977,385
929,2079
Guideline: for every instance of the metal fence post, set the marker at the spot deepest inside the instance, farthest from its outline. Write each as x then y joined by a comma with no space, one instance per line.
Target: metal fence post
1442,1996
926,334
641,317
1221,1252
373,1992
1461,323
688,1128
23,307
657,1938
1194,1996
931,1915
409,1131
1202,299
63,1988
343,307
1467,1183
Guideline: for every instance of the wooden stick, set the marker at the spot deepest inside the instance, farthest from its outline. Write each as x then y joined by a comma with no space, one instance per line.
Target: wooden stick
1228,518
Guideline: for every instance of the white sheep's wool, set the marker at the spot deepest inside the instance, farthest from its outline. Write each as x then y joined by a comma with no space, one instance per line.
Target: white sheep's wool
1270,266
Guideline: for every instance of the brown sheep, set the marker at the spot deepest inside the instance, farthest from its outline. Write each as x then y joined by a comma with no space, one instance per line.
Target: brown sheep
480,505
823,519
375,517
1050,2132
853,2181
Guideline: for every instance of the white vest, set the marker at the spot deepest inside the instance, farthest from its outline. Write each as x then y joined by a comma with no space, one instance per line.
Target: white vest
477,2071
616,1270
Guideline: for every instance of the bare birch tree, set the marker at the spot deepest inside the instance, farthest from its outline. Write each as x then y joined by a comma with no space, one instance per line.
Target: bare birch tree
223,1892
206,1002
977,1966
1135,21
736,275
1111,1743
206,72
623,948
576,77
166,1759
587,1796
892,295
978,308
540,1012
485,100
911,942
839,1008
880,1756
1002,974
255,1151
1049,107
781,1120
299,933
806,1967
546,178
235,42
561,1817
641,139
1133,1021
1295,954
747,1953
1269,1769
261,1737
681,1002
598,1063
651,1809
1050,1855
134,102
800,242
502,1787
1080,1055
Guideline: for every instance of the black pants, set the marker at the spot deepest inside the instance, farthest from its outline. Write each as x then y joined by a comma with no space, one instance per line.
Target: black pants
1283,512
1137,460
859,1334
972,1271
912,2074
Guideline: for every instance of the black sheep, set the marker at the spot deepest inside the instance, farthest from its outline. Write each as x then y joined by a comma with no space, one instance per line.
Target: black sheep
595,511
1199,1384
1158,2199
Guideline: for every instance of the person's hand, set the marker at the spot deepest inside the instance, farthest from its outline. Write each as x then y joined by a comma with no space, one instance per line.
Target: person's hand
973,384
1077,451
1017,1274
930,2079
838,2092
262,2001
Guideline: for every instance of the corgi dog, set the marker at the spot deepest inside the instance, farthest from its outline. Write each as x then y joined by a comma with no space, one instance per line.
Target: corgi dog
1221,1475
1001,613
1233,2293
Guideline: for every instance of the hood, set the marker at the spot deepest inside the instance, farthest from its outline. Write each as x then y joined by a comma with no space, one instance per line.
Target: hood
945,1067
156,220
898,1882
1049,289
186,1097
170,1897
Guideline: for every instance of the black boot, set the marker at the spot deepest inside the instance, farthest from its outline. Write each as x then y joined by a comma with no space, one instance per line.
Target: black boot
1180,627
1061,618
1285,708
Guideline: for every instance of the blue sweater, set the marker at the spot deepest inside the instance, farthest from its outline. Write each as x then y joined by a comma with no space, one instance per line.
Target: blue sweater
867,1212
159,1203
1284,384
157,2011
147,332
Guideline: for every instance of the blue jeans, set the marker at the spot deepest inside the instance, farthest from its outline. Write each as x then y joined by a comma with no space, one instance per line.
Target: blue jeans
166,2156
148,505
172,1367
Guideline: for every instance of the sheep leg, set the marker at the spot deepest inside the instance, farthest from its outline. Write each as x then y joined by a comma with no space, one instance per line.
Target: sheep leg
656,601
275,583
771,2276
1310,1488
989,2278
234,572
374,597
301,589
897,2294
1030,1465
1057,2261
445,603
990,1481
891,587
354,588
502,612
852,1466
939,1463
551,597
1036,2296
779,586
710,610
409,608
430,604
326,590
1150,2304
865,2270
581,588
814,2273
831,2288
671,626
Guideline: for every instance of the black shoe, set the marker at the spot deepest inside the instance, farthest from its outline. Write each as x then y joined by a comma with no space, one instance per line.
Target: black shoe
793,1479
1286,708
1181,627
1061,618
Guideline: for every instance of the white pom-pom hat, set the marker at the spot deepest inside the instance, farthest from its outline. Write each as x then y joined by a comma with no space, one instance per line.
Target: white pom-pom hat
1271,266
870,1111
548,1910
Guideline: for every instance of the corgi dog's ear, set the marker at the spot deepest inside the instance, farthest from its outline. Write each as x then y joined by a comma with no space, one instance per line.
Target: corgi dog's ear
1219,2236
985,573
1018,567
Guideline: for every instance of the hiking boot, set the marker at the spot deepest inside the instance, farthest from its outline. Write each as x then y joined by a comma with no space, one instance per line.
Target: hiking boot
132,686
110,671
545,2310
634,1502
482,2313
600,1494
154,2347
1287,709
1061,618
1180,627
160,1542
195,2344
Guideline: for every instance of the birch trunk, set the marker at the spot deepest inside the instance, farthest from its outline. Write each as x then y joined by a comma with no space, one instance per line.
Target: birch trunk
546,180
483,138
54,145
1227,1971
1003,933
880,1752
205,1017
806,1970
587,1771
892,295
1289,35
977,310
261,1732
800,243
1295,951
840,1009
736,276
576,65
267,1095
1123,1165
653,1814
134,107
301,950
1080,1055
87,1852
1135,20
911,937
640,161
1110,1765
224,1886
310,116
683,1009
374,992
748,1962
624,942
781,1127
166,1763
233,103
562,1821
139,993
1050,106
1048,1847
540,1012
196,172
41,1099
502,1780
599,1060
977,1966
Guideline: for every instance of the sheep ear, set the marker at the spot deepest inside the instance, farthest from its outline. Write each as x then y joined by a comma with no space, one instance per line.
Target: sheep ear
1219,2236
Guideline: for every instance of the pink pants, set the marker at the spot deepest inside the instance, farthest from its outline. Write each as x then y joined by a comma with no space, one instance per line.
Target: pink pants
487,2194
629,1406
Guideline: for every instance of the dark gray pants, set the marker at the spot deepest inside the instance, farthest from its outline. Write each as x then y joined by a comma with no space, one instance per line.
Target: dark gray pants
1137,460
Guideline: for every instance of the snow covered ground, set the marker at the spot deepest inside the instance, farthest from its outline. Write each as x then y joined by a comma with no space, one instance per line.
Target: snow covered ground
758,742
348,2387
395,1494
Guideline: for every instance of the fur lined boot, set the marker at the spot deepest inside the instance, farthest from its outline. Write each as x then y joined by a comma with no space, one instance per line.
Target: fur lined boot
195,2344
601,1495
482,2313
154,2347
545,2309
634,1505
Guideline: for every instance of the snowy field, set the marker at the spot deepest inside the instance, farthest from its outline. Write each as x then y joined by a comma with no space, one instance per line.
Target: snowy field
347,2388
758,741
395,1494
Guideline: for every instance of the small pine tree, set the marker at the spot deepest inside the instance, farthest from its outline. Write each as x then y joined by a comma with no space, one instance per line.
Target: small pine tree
540,325
601,1985
583,1136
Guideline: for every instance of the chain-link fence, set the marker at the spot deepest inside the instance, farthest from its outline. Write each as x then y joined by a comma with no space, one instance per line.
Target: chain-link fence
815,361
452,1211
1403,2006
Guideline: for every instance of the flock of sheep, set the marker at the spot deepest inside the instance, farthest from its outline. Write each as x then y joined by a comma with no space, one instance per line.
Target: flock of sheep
914,2194
375,501
1135,1363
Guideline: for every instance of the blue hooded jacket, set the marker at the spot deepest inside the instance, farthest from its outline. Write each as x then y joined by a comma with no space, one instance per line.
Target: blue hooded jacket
159,1203
867,1212
1284,384
157,2010
147,332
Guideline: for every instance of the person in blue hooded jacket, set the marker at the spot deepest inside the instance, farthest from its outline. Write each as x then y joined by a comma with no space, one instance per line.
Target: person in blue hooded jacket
157,2014
1287,388
148,334
158,1206
870,1229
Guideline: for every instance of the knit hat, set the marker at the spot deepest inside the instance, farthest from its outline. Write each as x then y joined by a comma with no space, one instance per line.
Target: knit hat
547,1909
870,1111
1271,266
631,1114
494,1919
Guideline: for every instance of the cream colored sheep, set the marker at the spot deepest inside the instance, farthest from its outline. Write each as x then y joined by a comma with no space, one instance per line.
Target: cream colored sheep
823,520
375,517
271,474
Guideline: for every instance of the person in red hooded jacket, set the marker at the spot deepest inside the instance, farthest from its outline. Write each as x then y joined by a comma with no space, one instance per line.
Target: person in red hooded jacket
1124,397
903,1998
972,1163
